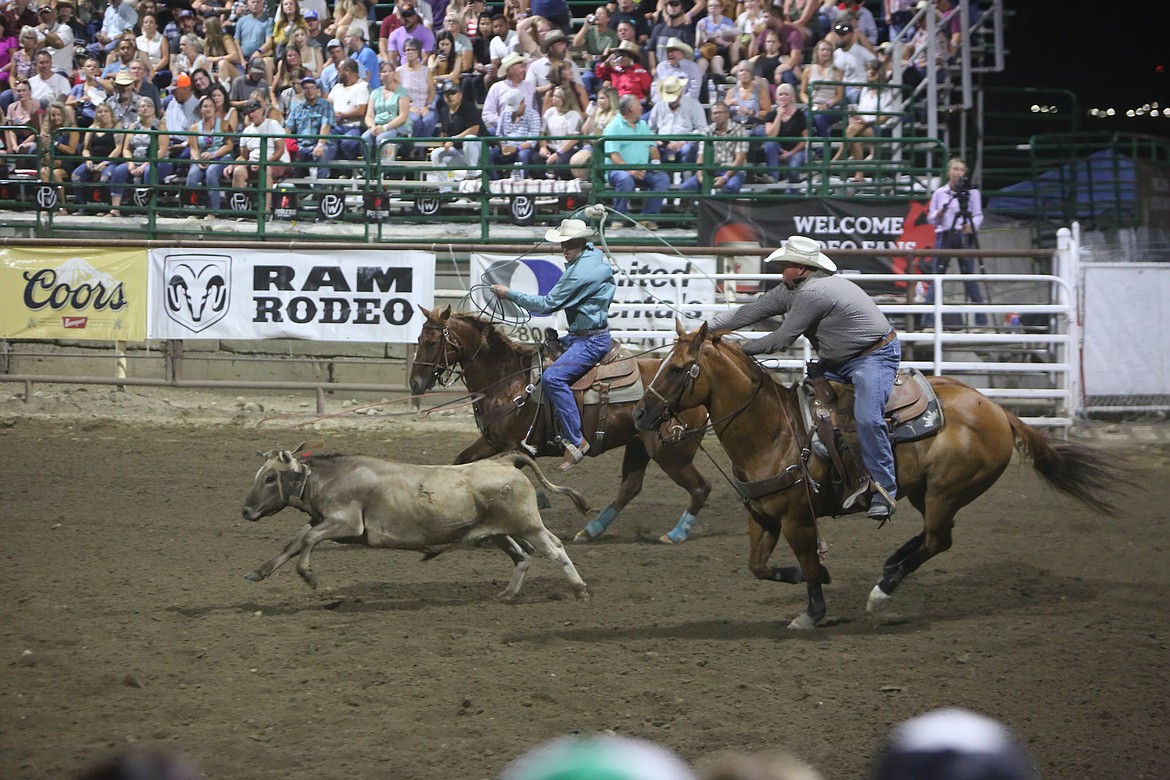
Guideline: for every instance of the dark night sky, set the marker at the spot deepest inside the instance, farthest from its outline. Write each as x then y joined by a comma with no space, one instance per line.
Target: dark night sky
1108,53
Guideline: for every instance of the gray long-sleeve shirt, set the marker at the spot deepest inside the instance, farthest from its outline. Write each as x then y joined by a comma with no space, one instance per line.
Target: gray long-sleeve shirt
837,317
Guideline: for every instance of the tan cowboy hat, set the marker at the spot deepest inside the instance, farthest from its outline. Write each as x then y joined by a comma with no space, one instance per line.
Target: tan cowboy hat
681,45
567,231
124,78
550,38
799,250
672,87
515,58
630,48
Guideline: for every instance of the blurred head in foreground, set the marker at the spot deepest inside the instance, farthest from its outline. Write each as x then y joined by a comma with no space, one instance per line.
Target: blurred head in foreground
953,744
598,757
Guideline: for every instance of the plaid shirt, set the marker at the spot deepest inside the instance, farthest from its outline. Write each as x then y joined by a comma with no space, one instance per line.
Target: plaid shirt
305,121
726,151
528,127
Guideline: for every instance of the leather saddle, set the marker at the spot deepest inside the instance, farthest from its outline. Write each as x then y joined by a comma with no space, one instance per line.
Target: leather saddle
615,371
912,412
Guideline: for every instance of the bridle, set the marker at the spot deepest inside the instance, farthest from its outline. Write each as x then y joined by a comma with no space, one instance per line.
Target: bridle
448,371
679,430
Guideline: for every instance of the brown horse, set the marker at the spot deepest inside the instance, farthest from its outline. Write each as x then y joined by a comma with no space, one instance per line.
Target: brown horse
757,419
496,370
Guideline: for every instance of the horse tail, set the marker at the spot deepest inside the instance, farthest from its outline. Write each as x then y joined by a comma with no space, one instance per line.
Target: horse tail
1071,468
520,461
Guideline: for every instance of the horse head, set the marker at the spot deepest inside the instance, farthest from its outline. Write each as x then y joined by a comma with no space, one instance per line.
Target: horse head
437,350
680,382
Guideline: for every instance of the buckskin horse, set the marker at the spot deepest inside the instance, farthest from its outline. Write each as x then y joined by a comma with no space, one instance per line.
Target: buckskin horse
758,422
496,370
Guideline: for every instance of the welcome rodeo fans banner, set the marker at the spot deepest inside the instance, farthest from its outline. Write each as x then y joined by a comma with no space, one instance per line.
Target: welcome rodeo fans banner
837,224
326,296
645,278
68,294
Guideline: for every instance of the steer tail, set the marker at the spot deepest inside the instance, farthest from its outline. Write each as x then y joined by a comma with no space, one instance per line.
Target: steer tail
520,460
1073,469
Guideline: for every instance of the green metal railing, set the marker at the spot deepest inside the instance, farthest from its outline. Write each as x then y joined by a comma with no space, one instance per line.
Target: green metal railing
370,197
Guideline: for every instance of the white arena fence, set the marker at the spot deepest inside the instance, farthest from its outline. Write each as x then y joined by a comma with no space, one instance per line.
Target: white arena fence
1029,359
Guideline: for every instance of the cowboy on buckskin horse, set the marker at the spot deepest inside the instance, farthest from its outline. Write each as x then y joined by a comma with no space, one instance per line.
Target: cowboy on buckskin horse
855,344
584,292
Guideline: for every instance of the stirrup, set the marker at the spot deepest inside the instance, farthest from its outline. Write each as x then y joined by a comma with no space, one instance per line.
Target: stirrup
856,495
573,454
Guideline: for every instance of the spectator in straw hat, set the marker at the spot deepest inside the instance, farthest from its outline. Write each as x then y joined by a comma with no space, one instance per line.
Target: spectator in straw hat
514,68
680,64
676,113
624,72
556,52
675,26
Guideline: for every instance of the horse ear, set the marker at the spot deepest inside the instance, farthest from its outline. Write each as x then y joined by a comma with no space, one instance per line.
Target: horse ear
444,314
426,312
703,332
678,327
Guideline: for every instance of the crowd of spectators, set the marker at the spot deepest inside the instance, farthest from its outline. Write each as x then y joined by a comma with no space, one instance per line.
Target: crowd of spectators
349,81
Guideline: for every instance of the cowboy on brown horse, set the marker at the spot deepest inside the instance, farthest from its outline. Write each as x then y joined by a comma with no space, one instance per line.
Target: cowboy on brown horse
855,344
584,292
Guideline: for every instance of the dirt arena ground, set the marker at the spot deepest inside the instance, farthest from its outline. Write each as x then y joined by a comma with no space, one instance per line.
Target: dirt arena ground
124,617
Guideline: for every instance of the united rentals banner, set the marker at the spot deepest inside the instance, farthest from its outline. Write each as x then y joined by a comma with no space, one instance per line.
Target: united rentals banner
323,296
69,294
648,279
837,224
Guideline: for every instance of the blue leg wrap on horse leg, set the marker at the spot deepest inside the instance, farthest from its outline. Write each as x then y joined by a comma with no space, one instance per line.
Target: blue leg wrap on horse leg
680,531
598,524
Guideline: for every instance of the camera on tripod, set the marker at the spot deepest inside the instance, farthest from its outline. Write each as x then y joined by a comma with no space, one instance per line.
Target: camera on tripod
963,193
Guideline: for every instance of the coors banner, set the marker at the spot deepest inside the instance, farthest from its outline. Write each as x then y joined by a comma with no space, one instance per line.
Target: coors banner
81,293
837,224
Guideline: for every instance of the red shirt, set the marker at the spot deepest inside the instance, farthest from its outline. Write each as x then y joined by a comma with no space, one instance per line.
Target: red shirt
634,80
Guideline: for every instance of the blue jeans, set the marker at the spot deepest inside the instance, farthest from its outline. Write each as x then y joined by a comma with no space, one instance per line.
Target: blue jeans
581,354
327,153
212,173
523,156
733,185
378,145
939,265
350,146
772,161
872,376
623,181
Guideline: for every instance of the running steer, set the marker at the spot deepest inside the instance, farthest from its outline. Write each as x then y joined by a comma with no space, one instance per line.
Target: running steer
379,503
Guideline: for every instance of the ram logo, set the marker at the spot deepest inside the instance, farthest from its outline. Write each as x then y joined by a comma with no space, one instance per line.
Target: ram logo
198,289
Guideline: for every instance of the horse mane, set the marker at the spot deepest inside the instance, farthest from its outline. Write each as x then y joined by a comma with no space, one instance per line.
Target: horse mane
494,339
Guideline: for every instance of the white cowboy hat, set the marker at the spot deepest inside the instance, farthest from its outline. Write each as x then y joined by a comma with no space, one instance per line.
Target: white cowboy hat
567,231
514,58
799,250
672,87
681,45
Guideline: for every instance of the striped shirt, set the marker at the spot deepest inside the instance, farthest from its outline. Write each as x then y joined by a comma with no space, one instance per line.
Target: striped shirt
837,317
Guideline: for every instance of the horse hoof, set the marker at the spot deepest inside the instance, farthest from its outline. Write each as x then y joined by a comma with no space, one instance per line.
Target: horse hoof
582,537
803,623
878,599
507,597
665,539
253,576
583,594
